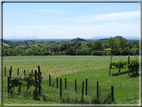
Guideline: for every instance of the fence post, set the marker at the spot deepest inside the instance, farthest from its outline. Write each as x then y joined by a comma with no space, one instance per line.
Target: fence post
39,72
32,71
65,83
112,91
60,87
10,73
38,68
110,65
39,78
97,88
11,68
49,80
75,86
8,84
57,82
86,88
82,91
36,84
5,71
17,71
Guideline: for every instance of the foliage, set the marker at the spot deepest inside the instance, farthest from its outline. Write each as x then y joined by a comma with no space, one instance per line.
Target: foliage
131,63
22,81
78,46
118,64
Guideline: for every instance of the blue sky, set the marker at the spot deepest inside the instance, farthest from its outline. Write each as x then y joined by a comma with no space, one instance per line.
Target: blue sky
71,20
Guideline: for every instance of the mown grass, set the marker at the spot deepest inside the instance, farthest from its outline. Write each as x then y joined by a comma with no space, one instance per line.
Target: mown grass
126,90
58,65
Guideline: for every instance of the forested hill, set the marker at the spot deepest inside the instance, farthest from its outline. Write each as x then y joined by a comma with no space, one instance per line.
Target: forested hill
78,46
78,40
38,43
118,37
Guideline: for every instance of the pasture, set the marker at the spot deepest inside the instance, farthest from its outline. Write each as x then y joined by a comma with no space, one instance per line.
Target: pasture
94,68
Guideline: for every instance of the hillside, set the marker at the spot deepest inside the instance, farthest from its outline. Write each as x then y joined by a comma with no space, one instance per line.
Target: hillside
78,40
49,42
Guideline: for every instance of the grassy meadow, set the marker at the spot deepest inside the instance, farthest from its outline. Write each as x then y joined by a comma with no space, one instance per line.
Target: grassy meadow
94,68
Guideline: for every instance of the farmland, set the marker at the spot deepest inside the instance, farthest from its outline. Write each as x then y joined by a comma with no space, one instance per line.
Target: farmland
94,68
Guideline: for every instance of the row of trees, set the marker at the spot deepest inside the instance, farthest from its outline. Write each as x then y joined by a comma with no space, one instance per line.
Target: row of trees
117,47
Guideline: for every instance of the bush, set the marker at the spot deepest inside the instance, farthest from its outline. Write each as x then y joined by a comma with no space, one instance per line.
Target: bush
107,52
63,53
97,52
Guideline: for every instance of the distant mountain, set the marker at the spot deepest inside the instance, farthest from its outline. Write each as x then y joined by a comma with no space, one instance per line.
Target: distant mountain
21,38
131,38
106,37
33,37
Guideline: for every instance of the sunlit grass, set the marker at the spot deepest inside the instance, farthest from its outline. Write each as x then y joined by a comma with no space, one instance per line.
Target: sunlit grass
58,65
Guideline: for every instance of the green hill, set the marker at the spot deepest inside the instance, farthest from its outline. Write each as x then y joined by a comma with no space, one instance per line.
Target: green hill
78,40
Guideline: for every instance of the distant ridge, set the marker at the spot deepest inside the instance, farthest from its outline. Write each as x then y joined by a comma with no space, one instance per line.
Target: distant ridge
19,38
13,38
106,37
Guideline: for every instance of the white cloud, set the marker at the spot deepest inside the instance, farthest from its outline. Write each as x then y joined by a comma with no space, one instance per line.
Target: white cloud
108,17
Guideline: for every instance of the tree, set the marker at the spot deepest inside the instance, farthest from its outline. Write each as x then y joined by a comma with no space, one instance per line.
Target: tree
113,43
122,43
98,45
62,46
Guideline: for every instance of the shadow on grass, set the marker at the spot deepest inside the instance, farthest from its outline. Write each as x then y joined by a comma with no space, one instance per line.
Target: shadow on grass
116,74
131,74
135,75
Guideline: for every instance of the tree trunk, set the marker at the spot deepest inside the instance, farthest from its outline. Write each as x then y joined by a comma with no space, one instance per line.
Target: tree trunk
119,70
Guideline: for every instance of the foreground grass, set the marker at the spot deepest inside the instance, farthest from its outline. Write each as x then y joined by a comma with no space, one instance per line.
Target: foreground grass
126,90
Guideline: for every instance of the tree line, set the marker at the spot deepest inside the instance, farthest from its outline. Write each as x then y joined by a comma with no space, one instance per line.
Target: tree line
114,46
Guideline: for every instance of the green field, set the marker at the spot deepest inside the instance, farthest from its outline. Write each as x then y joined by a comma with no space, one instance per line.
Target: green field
94,68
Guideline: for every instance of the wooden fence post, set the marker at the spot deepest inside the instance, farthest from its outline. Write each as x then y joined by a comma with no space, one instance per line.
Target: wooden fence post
49,80
17,71
39,78
39,72
65,83
60,87
32,71
11,68
112,91
10,73
97,88
36,84
110,65
82,91
5,71
57,82
75,86
8,84
86,88
38,68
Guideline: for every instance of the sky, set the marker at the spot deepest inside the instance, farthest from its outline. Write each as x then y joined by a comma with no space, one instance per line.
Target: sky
71,20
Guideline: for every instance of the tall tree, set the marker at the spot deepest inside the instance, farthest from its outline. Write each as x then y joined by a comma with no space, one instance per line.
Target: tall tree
122,43
113,43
